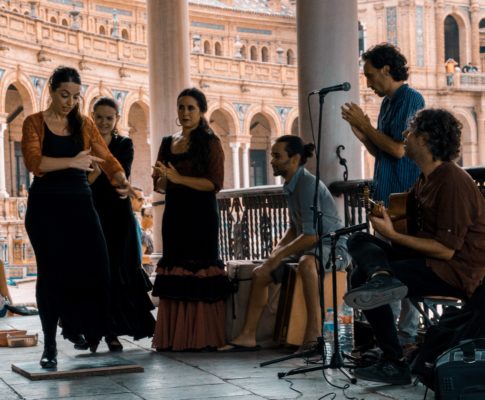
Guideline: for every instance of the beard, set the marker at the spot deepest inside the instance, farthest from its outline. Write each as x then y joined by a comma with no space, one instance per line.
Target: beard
279,172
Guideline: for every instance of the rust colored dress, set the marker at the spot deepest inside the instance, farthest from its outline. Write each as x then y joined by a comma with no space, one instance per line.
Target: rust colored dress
191,281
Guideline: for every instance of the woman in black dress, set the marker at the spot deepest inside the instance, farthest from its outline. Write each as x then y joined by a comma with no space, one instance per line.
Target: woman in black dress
130,303
191,281
59,145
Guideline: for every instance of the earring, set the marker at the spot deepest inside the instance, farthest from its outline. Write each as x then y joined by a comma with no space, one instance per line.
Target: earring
177,122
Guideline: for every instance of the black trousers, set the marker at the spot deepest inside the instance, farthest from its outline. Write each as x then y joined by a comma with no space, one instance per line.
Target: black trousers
371,254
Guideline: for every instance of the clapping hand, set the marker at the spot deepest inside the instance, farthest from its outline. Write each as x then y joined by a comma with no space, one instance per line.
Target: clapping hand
355,116
172,174
159,170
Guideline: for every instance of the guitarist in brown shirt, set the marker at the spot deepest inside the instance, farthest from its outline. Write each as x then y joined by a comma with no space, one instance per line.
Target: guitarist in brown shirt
441,254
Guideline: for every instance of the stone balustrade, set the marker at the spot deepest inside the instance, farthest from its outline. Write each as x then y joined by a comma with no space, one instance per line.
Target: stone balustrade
203,65
24,29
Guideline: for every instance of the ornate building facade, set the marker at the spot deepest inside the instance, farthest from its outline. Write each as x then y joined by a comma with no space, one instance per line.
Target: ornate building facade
243,56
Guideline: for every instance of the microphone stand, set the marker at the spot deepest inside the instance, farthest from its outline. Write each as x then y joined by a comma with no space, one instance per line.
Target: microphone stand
336,361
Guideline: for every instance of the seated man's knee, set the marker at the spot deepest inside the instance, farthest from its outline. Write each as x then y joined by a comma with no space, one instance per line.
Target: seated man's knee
308,265
261,275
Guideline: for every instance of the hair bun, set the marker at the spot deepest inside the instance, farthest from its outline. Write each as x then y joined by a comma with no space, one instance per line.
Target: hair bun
308,149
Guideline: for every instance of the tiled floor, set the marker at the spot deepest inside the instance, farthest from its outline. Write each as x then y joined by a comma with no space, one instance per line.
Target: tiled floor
177,376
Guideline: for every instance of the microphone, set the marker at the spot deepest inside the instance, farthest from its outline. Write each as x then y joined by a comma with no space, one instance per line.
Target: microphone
337,88
349,229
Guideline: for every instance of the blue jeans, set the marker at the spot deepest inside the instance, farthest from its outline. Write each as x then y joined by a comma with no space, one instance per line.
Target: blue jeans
371,254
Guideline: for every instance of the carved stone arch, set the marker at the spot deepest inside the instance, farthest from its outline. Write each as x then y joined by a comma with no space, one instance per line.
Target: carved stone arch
464,32
290,120
136,126
270,114
19,98
131,98
92,93
26,90
229,113
469,136
224,122
263,126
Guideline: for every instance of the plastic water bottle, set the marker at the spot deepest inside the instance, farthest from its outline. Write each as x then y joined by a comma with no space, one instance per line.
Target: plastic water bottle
346,329
328,332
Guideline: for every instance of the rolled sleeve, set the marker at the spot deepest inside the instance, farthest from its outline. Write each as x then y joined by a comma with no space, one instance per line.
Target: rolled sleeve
110,166
31,146
215,170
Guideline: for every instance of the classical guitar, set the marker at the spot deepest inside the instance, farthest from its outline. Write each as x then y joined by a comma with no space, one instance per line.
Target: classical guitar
396,209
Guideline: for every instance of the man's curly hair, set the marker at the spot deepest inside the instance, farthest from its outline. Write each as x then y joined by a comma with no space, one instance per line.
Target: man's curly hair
387,54
441,130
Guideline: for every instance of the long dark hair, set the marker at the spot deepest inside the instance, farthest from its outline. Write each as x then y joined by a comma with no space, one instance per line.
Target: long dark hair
200,137
109,102
75,120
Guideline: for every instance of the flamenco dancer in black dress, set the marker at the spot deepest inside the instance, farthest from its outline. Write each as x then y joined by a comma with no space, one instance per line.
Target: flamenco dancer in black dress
59,145
130,303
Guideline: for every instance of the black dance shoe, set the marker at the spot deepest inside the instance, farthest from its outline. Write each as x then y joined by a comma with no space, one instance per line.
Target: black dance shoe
49,357
79,342
93,344
113,343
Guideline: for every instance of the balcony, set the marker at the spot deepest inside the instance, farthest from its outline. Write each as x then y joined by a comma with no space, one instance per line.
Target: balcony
204,65
472,81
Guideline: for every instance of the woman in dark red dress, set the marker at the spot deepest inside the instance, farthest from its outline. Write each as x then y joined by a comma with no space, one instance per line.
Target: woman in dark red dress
191,281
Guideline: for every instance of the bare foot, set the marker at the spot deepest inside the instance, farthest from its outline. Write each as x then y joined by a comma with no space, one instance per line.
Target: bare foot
239,341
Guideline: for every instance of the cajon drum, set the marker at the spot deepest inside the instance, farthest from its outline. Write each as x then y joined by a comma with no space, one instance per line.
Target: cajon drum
292,315
240,273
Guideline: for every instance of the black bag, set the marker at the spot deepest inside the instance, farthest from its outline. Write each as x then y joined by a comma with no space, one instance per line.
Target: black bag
460,372
454,326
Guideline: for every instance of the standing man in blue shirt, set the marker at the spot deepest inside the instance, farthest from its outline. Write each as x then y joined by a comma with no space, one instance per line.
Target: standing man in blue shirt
386,71
299,243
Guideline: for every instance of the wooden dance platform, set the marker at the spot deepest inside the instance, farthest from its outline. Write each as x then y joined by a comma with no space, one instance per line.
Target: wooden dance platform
77,367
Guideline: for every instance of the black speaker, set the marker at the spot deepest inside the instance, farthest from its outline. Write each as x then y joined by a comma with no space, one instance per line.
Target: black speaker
460,372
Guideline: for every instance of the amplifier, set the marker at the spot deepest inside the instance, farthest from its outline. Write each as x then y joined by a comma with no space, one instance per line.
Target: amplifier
460,373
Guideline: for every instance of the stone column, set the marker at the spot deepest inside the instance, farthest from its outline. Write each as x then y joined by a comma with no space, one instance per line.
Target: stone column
439,20
235,164
328,55
245,164
380,22
475,25
481,137
169,73
407,29
3,129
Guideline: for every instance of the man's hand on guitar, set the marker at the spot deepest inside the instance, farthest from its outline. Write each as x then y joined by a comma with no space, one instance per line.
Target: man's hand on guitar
383,225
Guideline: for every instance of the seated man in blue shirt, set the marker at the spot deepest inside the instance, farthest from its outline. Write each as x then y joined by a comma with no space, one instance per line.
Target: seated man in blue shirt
288,157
